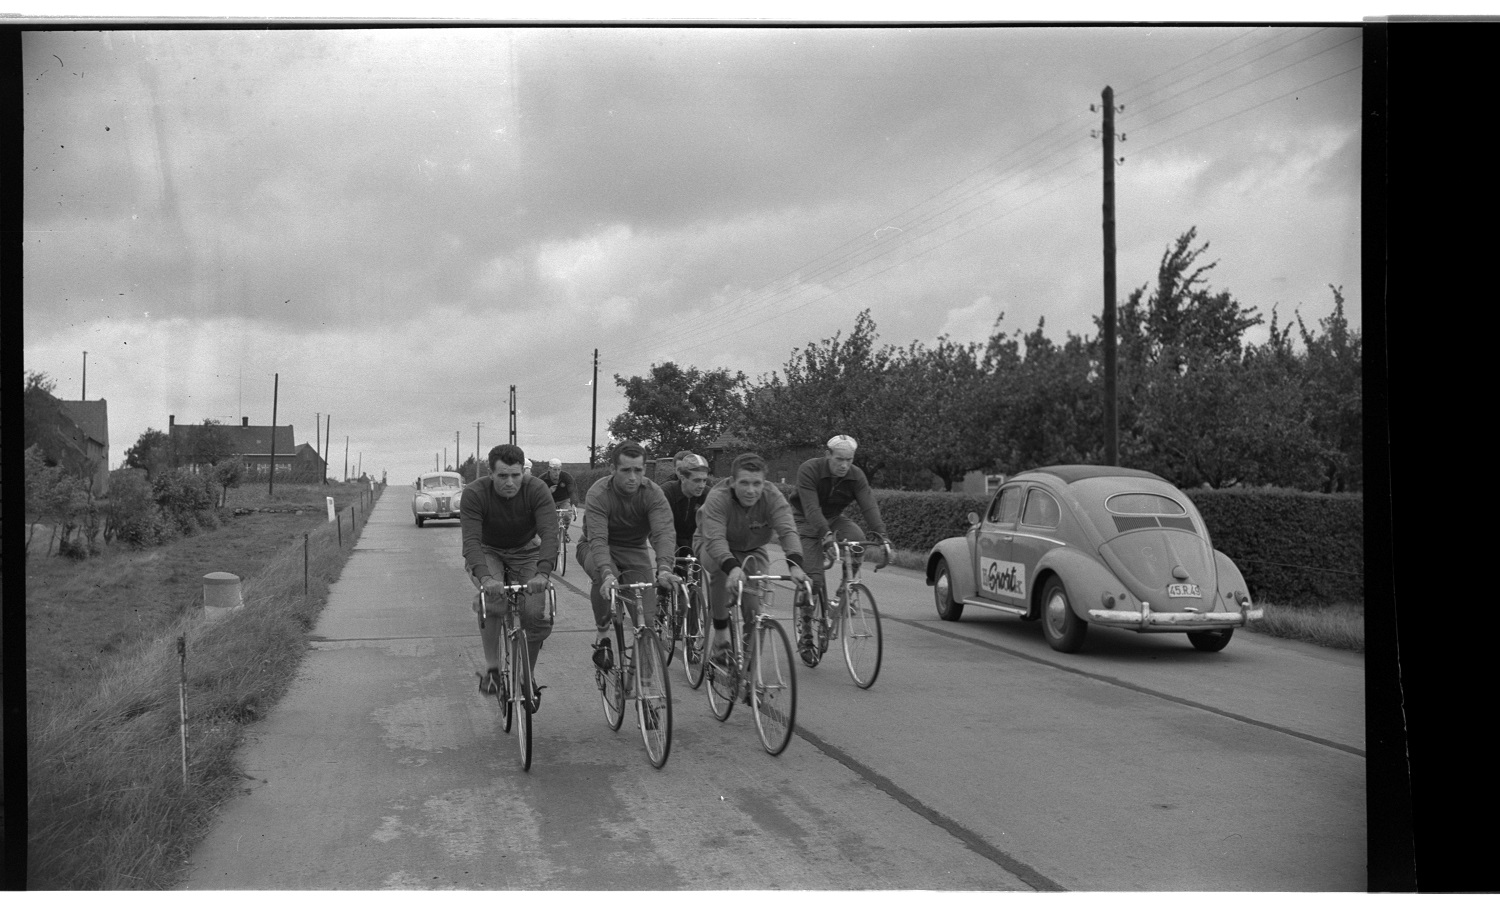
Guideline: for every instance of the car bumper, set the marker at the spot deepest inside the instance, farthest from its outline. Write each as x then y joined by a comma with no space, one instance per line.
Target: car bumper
1146,620
438,515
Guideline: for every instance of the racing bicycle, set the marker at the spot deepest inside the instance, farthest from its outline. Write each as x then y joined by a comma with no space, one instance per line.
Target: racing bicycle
564,517
850,617
639,672
518,699
757,671
679,616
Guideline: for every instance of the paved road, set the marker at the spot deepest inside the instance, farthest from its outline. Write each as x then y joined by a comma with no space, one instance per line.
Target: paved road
981,760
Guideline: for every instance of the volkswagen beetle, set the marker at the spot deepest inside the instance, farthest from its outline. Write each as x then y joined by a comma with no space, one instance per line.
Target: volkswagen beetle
437,496
1076,546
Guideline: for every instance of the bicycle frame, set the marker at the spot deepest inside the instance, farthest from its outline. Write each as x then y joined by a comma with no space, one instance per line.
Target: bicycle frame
769,689
653,700
515,662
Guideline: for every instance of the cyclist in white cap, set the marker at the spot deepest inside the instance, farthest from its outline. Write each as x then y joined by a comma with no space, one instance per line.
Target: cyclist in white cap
825,486
561,485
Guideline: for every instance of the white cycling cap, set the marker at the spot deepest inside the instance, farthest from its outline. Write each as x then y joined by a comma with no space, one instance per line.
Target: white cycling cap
843,442
692,461
554,461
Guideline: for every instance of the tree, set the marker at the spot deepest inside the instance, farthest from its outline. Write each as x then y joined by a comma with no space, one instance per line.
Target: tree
228,473
932,403
152,452
678,409
1335,399
206,444
824,389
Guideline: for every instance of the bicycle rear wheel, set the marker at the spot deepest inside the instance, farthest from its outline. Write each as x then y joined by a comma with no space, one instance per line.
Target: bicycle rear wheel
724,677
773,696
653,697
612,684
520,697
695,634
861,635
665,623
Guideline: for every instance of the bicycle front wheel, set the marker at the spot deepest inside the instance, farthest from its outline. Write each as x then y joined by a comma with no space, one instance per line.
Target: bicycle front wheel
520,698
562,553
653,697
612,684
861,635
724,674
773,696
694,636
507,683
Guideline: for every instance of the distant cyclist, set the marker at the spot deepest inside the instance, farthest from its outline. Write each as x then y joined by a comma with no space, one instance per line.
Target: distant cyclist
625,518
740,518
509,526
826,485
686,496
560,483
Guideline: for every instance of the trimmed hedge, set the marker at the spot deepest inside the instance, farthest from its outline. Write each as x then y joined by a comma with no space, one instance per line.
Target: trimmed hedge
1294,548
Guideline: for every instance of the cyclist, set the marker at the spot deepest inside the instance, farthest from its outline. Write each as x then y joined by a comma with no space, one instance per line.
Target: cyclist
686,496
561,485
825,486
509,524
626,519
740,518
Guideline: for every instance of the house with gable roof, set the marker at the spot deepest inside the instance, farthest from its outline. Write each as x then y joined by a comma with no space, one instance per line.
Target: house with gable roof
85,424
253,444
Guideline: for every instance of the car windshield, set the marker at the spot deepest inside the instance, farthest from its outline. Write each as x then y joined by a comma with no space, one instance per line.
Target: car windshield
440,482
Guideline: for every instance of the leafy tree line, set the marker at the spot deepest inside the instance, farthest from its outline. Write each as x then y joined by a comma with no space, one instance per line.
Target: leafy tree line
1196,402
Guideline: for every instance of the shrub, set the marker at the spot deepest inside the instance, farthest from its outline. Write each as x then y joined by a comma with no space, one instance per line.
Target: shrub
131,513
181,494
1294,548
916,520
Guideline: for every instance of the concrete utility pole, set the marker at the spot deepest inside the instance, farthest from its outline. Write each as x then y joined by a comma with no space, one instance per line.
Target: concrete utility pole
1111,420
476,447
85,394
456,461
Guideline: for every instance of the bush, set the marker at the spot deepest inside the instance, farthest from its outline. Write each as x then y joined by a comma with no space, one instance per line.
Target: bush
1294,548
182,494
915,520
131,513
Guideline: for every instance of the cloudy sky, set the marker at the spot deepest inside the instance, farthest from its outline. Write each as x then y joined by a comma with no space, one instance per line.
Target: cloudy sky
403,223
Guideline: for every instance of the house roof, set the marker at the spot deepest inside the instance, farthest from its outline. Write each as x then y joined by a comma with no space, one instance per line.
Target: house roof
91,417
250,440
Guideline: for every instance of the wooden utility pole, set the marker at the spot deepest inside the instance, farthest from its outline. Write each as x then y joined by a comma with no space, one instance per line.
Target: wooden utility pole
1111,422
594,418
85,394
456,461
327,444
318,434
512,414
271,476
476,448
346,457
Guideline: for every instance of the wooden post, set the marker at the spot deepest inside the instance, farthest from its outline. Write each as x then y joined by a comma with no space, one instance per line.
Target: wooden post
304,564
271,478
1111,438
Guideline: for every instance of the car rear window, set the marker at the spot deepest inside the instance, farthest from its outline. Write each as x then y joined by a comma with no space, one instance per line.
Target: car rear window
440,481
1144,505
1132,511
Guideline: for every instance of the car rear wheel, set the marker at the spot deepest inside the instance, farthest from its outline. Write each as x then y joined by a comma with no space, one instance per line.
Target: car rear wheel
1210,641
419,520
948,609
1064,630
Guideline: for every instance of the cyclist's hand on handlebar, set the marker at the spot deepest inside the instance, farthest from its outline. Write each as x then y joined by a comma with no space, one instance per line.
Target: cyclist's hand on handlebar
607,584
489,584
538,583
667,578
795,571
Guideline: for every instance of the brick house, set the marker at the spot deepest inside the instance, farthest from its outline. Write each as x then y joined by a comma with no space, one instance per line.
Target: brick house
85,425
252,443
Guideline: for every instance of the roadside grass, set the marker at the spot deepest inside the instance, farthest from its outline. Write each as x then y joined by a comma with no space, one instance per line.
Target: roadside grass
1340,626
108,808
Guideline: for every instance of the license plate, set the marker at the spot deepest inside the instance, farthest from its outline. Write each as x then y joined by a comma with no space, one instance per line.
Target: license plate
1184,590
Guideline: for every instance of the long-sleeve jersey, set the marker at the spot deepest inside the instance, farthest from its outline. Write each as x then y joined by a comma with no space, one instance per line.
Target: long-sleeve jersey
490,520
821,496
611,516
728,526
684,511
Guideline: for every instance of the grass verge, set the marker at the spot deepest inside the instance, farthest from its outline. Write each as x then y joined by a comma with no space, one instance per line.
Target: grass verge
109,807
1340,626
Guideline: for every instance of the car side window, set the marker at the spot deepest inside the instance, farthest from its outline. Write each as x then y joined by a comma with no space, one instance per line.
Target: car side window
1007,505
1042,510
